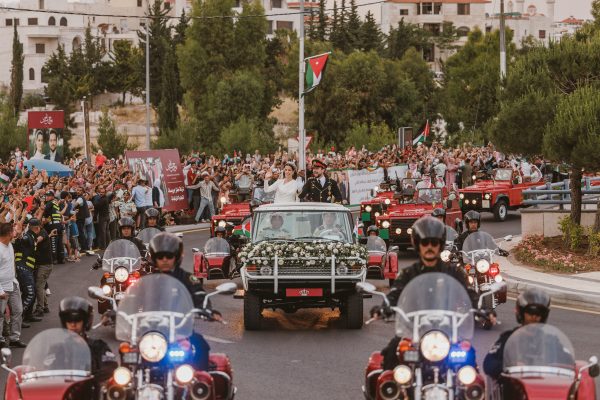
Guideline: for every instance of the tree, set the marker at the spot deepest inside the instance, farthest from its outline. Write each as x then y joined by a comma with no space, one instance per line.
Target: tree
94,68
405,36
126,73
372,137
249,38
322,26
12,135
370,37
184,137
112,143
168,112
353,27
16,73
247,136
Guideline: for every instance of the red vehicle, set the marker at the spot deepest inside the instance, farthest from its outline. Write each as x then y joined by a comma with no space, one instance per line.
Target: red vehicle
231,215
504,192
539,364
395,226
56,366
215,262
384,196
383,262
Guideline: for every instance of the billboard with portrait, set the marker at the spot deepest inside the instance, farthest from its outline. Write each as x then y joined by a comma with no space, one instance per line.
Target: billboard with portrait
161,168
45,137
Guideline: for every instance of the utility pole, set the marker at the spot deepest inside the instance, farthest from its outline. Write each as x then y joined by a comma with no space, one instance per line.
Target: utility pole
86,130
502,42
147,85
301,132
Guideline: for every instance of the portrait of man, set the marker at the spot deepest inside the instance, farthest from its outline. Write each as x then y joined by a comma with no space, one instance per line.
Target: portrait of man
53,153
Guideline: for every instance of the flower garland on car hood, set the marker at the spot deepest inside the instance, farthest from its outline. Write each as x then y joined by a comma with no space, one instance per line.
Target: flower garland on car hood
257,253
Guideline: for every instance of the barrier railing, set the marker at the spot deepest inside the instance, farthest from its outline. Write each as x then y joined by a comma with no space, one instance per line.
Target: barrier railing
559,193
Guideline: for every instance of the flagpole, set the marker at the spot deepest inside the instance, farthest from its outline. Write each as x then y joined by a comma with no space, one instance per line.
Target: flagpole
301,132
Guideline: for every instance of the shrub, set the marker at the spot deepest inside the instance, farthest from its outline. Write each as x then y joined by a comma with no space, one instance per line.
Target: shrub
572,233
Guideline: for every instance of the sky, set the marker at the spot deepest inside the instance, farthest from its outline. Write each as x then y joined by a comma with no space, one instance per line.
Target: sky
562,8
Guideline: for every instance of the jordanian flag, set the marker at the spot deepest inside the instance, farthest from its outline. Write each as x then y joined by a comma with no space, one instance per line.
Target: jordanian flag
315,68
421,138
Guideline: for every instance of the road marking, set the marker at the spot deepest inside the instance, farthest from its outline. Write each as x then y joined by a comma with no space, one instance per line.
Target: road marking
217,340
194,230
581,310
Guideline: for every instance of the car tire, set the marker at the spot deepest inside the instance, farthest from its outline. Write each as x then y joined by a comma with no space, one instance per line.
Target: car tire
353,311
500,210
252,312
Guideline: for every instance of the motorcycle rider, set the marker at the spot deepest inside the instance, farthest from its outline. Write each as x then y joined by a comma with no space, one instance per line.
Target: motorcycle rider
220,232
152,216
533,305
373,230
428,238
76,314
126,228
473,222
166,254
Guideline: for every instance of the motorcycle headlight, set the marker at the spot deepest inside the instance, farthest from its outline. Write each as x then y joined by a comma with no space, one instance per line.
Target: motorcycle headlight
385,224
222,224
184,374
387,201
402,374
482,266
106,289
445,256
121,274
368,209
122,376
435,346
498,278
467,375
153,347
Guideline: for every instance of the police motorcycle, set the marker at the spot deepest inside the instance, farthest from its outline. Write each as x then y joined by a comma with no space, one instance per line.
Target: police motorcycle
56,365
217,261
478,253
121,266
436,359
155,322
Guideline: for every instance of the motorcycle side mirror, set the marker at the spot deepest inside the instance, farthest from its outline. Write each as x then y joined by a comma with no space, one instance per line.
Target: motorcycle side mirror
96,293
226,288
6,356
458,225
99,257
179,235
508,238
363,240
395,249
195,250
449,203
365,287
593,367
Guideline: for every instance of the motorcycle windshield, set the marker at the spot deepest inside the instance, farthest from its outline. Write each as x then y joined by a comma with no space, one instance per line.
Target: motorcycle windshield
539,348
118,249
147,234
375,244
434,301
479,240
451,234
56,352
156,303
216,246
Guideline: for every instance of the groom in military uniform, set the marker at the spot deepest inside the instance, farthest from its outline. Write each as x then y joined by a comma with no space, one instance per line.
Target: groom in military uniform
320,188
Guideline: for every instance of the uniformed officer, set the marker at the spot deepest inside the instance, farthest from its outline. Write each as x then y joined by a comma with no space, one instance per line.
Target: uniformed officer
320,188
275,231
53,219
152,216
25,267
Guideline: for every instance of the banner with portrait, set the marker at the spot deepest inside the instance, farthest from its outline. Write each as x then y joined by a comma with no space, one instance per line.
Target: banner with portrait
45,139
356,184
162,169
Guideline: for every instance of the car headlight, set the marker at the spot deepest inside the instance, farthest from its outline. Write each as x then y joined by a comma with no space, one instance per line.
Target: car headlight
122,376
461,196
106,289
385,224
377,214
474,177
398,231
435,346
222,224
368,209
387,201
153,347
474,201
402,374
223,199
266,270
184,374
376,189
445,256
467,375
467,201
409,231
121,274
487,196
342,270
482,266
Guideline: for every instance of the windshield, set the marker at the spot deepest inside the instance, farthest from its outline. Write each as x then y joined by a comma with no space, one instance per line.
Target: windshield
333,225
375,244
479,240
118,249
216,246
147,234
262,196
57,352
428,196
451,234
430,301
538,345
503,174
149,303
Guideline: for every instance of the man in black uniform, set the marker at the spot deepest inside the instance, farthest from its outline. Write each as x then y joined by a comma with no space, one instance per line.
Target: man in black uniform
428,237
152,216
126,228
53,219
25,267
76,314
320,188
472,223
166,253
533,305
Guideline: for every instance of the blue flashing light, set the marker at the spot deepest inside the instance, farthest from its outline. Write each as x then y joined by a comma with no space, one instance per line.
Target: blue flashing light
176,355
457,356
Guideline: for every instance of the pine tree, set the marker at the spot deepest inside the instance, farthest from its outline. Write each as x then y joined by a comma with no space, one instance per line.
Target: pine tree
126,74
168,113
322,27
180,29
370,36
353,26
112,143
333,28
94,71
16,73
312,31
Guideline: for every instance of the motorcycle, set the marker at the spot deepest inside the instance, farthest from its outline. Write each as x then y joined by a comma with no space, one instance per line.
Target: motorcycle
121,263
56,365
155,322
216,260
382,262
436,360
539,364
479,249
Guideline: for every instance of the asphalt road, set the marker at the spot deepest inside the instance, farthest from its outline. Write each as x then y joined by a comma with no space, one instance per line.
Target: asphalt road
306,354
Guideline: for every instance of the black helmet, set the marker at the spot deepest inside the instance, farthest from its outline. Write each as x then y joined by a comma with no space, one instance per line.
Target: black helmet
166,243
439,212
75,308
220,229
152,213
254,203
372,228
533,301
472,216
428,228
126,222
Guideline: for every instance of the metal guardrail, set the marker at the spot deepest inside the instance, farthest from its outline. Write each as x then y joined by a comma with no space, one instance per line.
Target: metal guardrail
559,193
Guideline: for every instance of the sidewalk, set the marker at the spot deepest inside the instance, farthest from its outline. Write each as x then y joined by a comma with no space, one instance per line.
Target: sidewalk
577,290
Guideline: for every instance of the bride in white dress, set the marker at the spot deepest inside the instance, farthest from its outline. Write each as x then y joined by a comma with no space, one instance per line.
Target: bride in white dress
287,188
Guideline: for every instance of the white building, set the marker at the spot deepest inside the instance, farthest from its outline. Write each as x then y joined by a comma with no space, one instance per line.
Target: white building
567,27
526,23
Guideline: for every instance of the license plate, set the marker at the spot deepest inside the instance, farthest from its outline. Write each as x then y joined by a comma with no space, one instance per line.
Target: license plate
110,280
130,358
485,203
304,292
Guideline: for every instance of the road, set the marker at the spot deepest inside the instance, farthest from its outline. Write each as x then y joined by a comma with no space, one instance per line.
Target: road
306,354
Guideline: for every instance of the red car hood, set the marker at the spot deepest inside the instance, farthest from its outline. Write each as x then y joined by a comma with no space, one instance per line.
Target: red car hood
482,186
234,210
379,198
411,210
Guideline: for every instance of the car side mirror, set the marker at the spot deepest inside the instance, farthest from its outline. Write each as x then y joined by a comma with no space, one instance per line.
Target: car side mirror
6,356
226,288
363,240
395,249
195,250
508,238
365,287
594,368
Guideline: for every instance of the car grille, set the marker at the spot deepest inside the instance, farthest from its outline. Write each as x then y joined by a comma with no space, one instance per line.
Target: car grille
403,224
470,197
308,270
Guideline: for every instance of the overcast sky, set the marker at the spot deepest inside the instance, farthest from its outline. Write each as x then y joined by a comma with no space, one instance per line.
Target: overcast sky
562,8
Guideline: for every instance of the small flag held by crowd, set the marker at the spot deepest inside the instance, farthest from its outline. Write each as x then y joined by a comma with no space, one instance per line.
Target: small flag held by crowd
423,136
